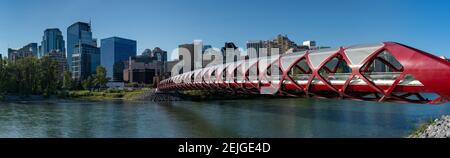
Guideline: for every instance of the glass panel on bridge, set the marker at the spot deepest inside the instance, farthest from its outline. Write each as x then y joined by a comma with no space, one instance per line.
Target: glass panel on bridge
198,76
336,71
317,57
232,71
289,59
409,80
205,74
301,72
192,77
224,75
273,76
357,54
382,69
213,75
252,73
239,73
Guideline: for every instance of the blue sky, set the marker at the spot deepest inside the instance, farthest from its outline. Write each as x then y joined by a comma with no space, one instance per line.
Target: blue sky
166,23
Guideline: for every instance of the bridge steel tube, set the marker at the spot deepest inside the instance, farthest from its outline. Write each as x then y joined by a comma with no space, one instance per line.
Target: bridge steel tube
386,71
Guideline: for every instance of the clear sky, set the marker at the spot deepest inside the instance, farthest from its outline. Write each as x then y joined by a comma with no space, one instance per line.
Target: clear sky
422,24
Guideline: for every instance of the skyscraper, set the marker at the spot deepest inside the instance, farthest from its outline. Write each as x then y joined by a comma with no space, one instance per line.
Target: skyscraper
160,56
77,33
85,60
253,48
28,50
229,47
198,54
188,51
113,50
52,40
281,42
206,47
60,59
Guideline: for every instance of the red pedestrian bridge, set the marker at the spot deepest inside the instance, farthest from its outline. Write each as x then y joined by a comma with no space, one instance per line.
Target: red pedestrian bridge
376,72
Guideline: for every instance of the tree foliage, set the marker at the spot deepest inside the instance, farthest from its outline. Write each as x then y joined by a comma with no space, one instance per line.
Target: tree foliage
96,81
29,76
88,84
68,82
33,76
100,79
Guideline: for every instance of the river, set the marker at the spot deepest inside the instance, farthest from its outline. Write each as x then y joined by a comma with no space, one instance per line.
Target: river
267,118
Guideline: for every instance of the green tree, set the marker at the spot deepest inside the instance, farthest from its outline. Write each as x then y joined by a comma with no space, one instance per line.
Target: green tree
3,77
28,75
100,79
88,83
49,76
68,83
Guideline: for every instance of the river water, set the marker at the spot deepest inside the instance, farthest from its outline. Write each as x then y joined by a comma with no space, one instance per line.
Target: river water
268,118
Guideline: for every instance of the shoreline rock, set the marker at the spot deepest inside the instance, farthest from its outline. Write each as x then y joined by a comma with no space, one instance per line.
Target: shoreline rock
438,128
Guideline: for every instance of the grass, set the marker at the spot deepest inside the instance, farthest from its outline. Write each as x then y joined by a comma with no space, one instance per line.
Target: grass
130,95
422,128
104,95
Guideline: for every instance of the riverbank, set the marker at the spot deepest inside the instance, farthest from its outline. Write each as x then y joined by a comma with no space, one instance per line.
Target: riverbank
438,128
104,95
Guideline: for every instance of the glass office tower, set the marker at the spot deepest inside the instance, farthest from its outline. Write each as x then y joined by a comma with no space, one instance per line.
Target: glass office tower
52,40
85,60
116,49
78,33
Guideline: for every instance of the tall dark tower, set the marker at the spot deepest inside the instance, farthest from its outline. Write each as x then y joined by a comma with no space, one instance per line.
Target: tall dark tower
78,33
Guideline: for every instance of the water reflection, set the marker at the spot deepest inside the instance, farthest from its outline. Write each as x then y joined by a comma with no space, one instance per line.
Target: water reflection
193,123
229,118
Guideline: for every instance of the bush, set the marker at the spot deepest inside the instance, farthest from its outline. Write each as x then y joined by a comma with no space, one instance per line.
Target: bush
79,93
113,91
117,95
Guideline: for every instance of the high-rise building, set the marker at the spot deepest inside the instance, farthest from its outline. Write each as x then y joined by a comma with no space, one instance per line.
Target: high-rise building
282,42
28,50
253,48
159,55
195,50
310,44
155,59
52,40
143,69
190,49
79,32
198,54
206,47
205,61
229,46
60,58
114,50
85,60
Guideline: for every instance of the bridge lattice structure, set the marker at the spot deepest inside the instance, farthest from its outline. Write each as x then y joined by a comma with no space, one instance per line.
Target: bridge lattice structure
385,71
